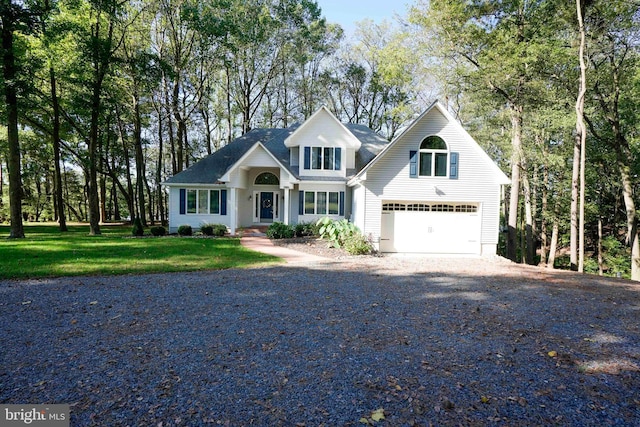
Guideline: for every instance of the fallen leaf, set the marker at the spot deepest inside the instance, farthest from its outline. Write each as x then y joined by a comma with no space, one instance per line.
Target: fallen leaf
93,302
26,302
363,420
377,415
484,399
553,353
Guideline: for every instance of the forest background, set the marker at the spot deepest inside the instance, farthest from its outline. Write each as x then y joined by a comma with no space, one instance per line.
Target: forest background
103,100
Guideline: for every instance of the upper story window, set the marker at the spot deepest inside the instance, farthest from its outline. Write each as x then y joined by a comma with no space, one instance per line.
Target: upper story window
267,178
434,157
322,158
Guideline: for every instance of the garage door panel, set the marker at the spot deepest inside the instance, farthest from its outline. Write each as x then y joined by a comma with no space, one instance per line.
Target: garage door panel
430,232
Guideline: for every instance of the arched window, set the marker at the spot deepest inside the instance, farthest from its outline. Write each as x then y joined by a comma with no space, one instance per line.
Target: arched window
433,157
267,178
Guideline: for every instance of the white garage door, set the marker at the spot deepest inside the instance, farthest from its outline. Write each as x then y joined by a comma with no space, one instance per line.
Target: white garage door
423,227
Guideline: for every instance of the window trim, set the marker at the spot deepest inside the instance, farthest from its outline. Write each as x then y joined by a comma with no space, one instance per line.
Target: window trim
322,158
337,202
434,154
197,198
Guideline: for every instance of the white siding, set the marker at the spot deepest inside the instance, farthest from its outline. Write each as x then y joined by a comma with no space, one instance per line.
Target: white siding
194,220
324,131
389,179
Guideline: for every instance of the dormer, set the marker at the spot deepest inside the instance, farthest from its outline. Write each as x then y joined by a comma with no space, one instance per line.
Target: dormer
322,146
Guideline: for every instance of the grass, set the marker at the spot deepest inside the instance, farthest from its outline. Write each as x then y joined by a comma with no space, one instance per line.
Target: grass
46,252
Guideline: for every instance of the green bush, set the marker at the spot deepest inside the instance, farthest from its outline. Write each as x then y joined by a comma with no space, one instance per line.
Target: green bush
158,230
306,229
185,230
357,244
279,230
218,230
336,231
206,229
138,229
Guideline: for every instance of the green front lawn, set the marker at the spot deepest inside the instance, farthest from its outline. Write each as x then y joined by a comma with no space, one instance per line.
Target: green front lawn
46,252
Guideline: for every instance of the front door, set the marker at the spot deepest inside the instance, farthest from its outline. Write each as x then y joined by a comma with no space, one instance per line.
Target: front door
266,206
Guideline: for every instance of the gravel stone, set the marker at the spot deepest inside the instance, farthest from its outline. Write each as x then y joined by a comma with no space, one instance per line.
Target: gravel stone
441,341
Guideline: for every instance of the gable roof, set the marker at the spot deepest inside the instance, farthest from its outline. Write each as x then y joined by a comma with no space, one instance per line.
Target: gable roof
352,142
435,105
210,169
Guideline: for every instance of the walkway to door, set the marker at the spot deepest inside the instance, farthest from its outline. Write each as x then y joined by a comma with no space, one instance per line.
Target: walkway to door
255,239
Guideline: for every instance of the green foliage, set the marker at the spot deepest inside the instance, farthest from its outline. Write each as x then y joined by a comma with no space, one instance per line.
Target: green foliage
279,230
207,229
138,229
336,231
218,230
47,252
158,231
358,244
185,230
306,229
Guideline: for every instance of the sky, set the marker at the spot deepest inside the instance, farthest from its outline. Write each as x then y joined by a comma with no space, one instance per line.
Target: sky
348,12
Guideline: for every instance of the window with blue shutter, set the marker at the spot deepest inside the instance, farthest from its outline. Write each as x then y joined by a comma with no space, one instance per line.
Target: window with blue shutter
183,201
342,203
338,158
301,203
223,202
453,165
307,157
413,164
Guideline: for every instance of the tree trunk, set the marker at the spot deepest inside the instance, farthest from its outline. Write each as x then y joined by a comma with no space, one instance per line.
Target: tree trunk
581,131
159,169
55,140
600,258
554,244
529,249
543,223
516,156
11,102
140,169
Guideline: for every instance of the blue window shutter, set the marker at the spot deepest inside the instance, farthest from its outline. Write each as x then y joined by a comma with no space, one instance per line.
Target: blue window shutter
453,165
223,202
413,164
183,201
338,158
307,157
301,203
342,203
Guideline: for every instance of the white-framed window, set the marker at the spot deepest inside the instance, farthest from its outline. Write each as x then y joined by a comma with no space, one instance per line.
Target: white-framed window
434,157
322,203
203,201
322,158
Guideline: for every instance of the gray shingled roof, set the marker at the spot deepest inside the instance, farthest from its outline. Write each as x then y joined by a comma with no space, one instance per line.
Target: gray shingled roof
211,168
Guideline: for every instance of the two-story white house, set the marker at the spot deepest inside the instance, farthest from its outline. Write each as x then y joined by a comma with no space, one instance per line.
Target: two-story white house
431,190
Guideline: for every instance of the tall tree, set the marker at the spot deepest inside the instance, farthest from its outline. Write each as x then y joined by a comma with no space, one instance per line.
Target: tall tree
13,17
498,48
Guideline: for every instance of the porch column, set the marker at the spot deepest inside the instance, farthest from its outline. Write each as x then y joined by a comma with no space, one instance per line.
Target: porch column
233,210
286,205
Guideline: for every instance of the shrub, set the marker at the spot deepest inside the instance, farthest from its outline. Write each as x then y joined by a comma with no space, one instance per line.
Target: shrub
357,244
336,231
218,230
305,229
185,230
206,229
279,230
138,229
158,230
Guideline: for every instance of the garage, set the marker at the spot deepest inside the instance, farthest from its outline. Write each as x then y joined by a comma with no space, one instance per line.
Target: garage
430,227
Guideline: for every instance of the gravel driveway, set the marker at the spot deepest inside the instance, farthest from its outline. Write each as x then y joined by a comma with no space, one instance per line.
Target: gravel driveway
417,341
